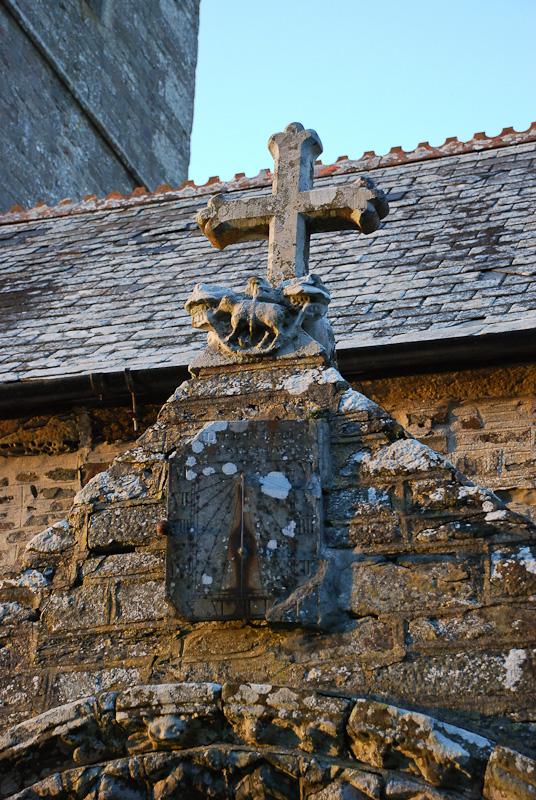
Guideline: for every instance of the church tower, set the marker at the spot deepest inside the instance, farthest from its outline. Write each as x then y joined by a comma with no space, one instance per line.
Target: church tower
97,96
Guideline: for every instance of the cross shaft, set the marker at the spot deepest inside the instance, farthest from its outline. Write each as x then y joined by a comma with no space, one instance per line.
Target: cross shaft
294,210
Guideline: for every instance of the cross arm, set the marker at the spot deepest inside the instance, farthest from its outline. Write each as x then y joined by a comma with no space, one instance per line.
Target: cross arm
333,208
226,221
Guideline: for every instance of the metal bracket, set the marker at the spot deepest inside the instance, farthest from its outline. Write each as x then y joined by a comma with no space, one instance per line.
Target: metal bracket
130,386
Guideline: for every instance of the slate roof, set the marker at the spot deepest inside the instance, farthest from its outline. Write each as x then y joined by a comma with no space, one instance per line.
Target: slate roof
100,285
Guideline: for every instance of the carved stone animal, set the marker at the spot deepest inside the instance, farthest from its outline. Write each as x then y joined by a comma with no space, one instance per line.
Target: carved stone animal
260,324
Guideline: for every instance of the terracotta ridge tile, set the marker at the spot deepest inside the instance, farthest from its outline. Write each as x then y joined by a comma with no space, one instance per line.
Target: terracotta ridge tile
370,160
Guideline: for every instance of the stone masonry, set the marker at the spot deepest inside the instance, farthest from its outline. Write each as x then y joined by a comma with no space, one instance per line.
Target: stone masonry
481,419
97,96
433,579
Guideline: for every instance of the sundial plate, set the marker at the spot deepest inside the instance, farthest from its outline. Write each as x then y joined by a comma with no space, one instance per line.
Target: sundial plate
244,517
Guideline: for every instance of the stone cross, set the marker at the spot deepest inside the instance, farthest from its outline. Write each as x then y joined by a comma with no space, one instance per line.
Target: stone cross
295,209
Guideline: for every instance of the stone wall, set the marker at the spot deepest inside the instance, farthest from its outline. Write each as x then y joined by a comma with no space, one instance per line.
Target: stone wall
483,420
436,575
97,96
45,460
421,593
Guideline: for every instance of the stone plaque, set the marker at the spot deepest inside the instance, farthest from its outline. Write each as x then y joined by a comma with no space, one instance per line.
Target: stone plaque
245,517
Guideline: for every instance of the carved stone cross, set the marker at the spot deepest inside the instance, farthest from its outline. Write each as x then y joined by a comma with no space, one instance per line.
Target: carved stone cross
294,210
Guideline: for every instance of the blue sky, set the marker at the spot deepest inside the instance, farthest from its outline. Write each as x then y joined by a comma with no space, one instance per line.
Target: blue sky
365,75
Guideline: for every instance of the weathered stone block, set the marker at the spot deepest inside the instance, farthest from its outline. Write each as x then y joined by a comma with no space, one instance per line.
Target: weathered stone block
132,645
510,776
398,787
339,790
513,572
122,564
501,623
403,458
342,503
494,682
84,607
384,735
54,540
124,481
262,714
67,687
267,783
124,526
138,602
374,524
411,584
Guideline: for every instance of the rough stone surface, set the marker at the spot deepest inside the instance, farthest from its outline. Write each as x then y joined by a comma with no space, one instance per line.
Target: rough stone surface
123,125
262,714
403,601
442,754
510,776
250,741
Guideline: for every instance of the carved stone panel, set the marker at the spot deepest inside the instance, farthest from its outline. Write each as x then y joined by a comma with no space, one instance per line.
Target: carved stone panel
245,517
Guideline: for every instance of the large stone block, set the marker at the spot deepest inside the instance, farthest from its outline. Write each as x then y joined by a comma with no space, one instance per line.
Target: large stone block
261,714
124,526
139,602
133,645
490,682
412,585
66,687
84,607
513,572
510,776
493,625
123,564
384,735
404,458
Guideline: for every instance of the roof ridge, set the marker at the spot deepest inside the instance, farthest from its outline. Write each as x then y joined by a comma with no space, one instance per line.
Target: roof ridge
343,164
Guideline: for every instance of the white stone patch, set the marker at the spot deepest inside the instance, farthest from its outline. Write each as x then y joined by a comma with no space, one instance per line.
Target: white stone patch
54,539
206,580
331,375
275,484
298,384
377,497
126,487
404,456
494,515
438,495
207,435
289,530
32,579
229,468
469,491
353,401
208,471
190,461
190,475
488,506
524,557
272,544
513,666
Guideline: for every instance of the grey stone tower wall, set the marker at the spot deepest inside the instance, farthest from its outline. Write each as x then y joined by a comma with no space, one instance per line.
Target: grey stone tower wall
96,96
